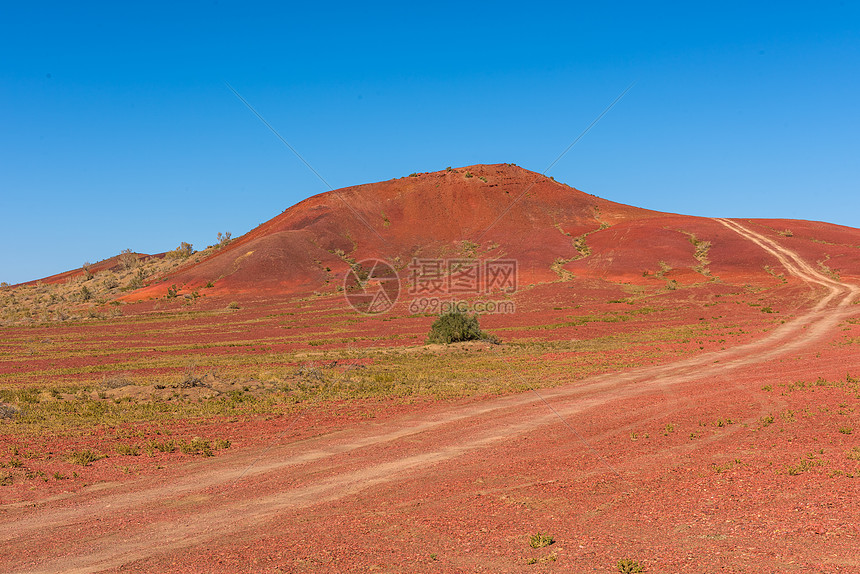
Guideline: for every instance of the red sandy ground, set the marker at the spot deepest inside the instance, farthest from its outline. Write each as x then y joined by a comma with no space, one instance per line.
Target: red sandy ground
641,464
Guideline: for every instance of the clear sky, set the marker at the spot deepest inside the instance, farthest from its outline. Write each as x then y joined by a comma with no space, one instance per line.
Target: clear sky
117,129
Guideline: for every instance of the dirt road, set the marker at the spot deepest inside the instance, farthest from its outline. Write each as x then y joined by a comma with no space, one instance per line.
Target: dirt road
243,495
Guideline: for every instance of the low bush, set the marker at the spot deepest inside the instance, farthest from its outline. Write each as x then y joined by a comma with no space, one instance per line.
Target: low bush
85,457
127,449
196,445
455,327
160,446
540,540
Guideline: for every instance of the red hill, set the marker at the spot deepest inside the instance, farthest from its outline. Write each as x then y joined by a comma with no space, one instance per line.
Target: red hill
554,232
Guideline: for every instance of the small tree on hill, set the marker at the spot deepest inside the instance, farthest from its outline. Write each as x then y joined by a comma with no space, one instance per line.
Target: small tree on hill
128,259
184,251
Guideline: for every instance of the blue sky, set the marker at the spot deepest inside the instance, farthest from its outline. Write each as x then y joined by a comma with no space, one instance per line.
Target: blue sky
118,130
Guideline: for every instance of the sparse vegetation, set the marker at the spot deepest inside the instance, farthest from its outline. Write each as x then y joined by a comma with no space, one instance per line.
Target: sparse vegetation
701,254
224,239
137,280
84,296
804,465
827,270
725,467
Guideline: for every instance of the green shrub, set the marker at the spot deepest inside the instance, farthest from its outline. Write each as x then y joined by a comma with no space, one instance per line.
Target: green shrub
220,443
540,540
160,446
626,565
137,281
454,327
84,457
196,445
127,449
804,465
111,282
